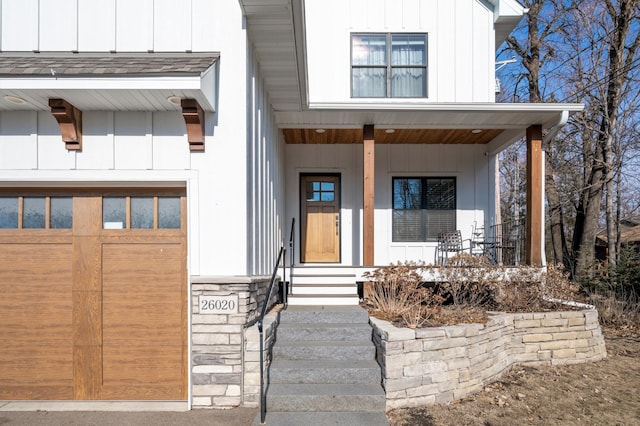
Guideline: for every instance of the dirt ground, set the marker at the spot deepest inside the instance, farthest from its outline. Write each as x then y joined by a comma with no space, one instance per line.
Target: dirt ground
602,393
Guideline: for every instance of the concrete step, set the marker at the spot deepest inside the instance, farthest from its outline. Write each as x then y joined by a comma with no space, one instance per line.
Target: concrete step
323,419
299,278
326,397
325,372
325,289
325,332
323,299
317,350
324,314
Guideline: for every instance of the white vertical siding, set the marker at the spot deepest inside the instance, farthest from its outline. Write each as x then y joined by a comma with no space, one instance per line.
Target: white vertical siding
59,25
267,229
170,149
203,38
97,141
134,25
133,142
460,44
19,25
106,25
96,25
18,140
171,25
52,153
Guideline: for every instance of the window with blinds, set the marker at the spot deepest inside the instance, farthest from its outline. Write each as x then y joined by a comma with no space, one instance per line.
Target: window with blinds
422,208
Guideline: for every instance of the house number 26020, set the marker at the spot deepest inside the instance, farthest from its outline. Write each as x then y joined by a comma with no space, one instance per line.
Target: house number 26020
218,304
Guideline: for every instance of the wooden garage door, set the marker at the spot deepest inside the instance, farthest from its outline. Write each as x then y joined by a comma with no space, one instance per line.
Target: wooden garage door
93,306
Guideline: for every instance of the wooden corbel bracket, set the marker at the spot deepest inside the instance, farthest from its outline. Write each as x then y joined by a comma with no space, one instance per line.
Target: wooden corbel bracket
193,115
70,121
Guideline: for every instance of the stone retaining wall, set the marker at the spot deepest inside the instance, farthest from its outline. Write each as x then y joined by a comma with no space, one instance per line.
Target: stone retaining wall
442,364
217,340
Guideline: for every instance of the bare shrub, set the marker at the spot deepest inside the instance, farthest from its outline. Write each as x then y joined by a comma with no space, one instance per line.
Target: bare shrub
617,311
467,280
397,294
464,290
557,285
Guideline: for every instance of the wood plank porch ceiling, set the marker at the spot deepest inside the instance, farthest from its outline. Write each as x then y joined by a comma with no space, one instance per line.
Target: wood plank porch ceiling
399,136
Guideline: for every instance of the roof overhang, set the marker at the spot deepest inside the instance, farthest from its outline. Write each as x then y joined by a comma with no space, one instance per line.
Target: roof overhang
107,81
506,16
276,29
505,123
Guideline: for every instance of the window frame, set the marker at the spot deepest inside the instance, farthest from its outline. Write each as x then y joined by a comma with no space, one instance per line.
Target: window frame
424,237
389,67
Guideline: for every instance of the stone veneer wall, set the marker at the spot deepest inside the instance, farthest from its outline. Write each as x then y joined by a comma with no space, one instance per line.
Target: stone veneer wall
218,341
251,389
442,364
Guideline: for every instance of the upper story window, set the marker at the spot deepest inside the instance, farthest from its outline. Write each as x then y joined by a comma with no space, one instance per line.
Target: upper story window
389,65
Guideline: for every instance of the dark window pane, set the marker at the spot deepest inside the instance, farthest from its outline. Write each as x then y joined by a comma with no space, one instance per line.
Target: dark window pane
408,50
369,82
8,212
142,212
407,226
169,212
369,50
439,221
407,193
61,213
408,82
33,212
114,213
441,194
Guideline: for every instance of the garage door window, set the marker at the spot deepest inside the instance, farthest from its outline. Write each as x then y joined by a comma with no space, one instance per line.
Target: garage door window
8,212
141,212
61,213
36,212
169,212
33,213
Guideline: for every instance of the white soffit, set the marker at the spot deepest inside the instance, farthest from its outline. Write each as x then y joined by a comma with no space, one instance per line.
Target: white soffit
107,81
272,26
506,16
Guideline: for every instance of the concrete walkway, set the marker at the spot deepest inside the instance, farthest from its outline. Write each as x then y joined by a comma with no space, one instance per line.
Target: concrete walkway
232,417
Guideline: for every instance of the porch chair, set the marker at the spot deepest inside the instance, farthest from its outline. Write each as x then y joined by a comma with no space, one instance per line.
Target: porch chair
450,243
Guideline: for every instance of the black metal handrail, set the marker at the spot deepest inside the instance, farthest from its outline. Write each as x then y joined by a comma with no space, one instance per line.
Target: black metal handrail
265,306
292,249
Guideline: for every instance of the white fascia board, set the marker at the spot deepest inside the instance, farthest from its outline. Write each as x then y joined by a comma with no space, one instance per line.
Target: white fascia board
87,83
445,106
505,9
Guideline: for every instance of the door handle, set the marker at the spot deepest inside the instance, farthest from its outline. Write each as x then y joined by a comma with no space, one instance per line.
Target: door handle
337,225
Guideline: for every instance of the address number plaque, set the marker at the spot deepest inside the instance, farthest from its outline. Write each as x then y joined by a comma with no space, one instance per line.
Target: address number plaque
218,304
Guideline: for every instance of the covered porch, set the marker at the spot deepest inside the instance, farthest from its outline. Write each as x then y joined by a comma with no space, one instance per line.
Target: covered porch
370,150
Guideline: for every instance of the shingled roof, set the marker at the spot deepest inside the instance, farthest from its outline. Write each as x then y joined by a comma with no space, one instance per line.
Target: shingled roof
62,64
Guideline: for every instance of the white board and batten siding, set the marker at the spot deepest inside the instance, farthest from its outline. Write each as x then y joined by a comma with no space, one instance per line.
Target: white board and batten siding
460,45
146,146
467,163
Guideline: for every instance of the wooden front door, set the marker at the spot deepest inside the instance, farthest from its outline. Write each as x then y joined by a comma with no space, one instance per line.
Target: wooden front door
320,218
94,302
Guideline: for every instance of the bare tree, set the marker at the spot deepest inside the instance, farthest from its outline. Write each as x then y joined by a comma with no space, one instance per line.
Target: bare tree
535,49
618,21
